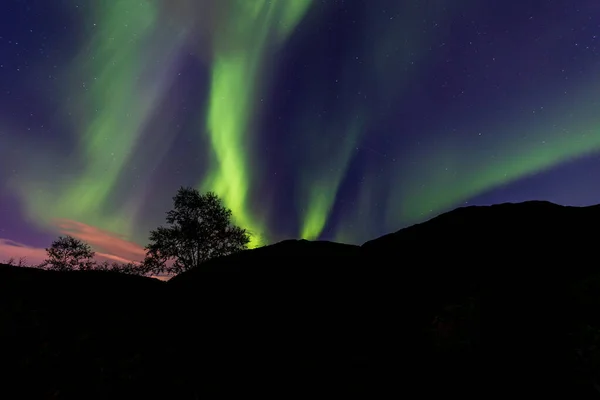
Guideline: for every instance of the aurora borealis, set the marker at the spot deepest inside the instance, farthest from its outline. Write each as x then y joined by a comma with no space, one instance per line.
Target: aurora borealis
336,119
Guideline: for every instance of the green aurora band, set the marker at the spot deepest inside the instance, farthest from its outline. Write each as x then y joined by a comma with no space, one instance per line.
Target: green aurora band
240,45
569,130
379,52
111,104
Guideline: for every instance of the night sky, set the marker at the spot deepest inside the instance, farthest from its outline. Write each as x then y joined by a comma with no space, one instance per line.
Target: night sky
338,120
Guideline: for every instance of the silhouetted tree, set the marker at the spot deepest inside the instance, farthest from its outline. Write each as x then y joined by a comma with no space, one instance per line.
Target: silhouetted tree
68,253
199,228
13,262
103,266
128,268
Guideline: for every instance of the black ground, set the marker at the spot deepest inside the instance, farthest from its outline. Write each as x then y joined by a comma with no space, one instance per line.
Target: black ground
478,302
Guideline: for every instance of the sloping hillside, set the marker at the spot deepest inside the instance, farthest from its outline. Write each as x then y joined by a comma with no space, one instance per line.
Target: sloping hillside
519,265
78,334
475,302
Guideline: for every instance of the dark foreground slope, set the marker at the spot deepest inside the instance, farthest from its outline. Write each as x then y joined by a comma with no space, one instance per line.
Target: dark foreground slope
76,334
478,302
532,269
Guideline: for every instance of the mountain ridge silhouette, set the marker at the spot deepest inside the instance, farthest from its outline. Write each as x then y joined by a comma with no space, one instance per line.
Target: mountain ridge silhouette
481,299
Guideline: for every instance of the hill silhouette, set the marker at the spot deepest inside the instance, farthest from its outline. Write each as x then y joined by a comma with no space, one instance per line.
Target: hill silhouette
481,300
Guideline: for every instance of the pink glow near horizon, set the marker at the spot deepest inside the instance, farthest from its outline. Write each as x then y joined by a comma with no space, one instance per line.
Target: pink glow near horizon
11,249
108,246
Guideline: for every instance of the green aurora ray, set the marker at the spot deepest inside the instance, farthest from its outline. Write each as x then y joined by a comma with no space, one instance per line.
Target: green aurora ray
383,61
240,45
112,100
112,105
566,131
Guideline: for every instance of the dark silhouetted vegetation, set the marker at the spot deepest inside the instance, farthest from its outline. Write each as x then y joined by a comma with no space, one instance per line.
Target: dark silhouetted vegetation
123,268
199,228
481,300
14,262
69,254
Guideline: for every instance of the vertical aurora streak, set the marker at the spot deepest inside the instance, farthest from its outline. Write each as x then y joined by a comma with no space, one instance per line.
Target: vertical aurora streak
116,96
240,44
316,119
379,51
321,191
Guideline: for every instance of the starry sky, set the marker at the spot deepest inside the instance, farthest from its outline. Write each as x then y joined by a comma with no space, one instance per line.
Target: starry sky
318,119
